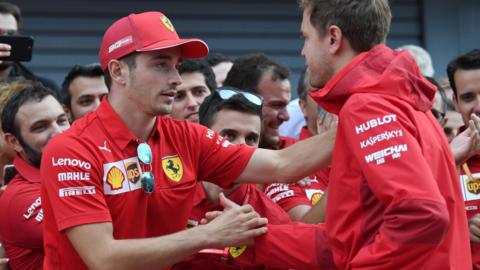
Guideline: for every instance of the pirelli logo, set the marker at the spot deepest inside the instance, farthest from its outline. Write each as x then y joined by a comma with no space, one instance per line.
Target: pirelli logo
76,191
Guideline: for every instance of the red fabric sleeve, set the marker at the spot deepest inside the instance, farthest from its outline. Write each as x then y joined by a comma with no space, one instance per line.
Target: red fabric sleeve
76,201
294,245
220,162
415,219
287,196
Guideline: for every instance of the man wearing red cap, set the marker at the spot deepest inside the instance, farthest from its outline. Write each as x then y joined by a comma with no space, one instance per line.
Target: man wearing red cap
118,187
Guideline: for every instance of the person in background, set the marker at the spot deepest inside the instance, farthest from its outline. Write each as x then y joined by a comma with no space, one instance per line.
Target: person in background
221,65
30,118
83,89
198,82
10,22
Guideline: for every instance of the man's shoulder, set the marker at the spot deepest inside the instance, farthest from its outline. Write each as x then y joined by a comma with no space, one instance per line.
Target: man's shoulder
183,128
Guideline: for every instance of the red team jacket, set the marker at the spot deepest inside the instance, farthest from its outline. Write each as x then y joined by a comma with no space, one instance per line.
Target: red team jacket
394,199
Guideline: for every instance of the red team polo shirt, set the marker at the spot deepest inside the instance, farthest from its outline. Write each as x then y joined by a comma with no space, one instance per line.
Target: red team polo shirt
91,175
21,218
289,196
471,195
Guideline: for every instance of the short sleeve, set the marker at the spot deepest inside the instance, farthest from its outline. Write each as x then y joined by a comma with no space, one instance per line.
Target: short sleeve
72,184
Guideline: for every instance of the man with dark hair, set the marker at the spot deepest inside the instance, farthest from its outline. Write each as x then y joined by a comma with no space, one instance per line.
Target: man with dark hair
30,118
464,76
259,74
10,21
221,65
198,81
236,116
394,200
83,89
142,167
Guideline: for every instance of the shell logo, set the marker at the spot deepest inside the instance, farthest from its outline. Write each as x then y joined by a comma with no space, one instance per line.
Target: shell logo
115,178
316,197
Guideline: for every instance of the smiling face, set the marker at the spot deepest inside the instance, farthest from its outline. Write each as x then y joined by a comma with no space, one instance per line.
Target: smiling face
467,100
276,95
190,95
38,123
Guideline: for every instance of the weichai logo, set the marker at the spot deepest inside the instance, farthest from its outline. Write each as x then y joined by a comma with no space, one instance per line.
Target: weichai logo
133,172
115,178
473,186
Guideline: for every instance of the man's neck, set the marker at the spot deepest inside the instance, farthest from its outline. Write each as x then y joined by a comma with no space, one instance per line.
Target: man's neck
137,121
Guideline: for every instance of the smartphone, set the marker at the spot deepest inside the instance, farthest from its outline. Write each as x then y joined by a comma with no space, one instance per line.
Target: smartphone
22,47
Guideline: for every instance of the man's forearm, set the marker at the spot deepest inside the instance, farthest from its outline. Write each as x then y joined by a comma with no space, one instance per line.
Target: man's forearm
147,253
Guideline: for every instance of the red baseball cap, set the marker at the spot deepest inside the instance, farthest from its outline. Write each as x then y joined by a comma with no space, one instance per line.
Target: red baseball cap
143,32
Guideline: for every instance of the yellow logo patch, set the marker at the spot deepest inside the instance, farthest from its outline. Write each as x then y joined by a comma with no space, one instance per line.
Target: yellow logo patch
133,172
173,168
168,24
316,197
236,251
473,186
115,178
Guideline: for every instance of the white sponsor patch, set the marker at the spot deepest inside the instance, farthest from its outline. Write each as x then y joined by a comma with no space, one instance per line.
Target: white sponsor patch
379,156
277,188
76,191
37,203
283,195
311,192
71,176
120,43
470,189
385,136
115,177
71,162
372,123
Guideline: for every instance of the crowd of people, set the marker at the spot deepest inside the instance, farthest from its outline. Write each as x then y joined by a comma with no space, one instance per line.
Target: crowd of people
166,156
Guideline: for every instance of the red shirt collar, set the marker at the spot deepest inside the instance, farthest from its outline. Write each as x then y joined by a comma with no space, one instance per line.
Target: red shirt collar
116,129
27,171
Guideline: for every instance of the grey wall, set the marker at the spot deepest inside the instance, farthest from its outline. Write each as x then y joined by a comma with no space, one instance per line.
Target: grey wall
69,32
451,29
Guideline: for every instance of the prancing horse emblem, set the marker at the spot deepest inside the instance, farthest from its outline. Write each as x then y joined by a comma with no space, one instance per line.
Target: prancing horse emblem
172,167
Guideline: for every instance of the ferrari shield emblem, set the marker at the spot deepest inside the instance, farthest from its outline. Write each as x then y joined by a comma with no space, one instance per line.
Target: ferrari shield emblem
173,168
168,24
236,251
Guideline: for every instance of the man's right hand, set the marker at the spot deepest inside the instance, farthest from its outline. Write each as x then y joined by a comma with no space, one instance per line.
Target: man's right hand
474,226
235,226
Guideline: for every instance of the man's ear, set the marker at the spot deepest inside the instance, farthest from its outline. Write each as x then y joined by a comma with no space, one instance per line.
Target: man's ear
118,71
11,140
335,36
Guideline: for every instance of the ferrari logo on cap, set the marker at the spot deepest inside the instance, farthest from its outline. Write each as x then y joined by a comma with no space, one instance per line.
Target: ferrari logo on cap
168,24
236,251
173,168
115,178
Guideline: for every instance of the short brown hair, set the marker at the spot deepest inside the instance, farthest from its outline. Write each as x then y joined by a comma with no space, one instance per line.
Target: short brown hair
365,23
9,8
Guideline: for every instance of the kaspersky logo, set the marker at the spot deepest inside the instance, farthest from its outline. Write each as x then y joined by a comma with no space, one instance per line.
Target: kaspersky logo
115,178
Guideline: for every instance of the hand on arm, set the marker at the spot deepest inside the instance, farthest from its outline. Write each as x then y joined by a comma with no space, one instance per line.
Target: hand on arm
99,250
